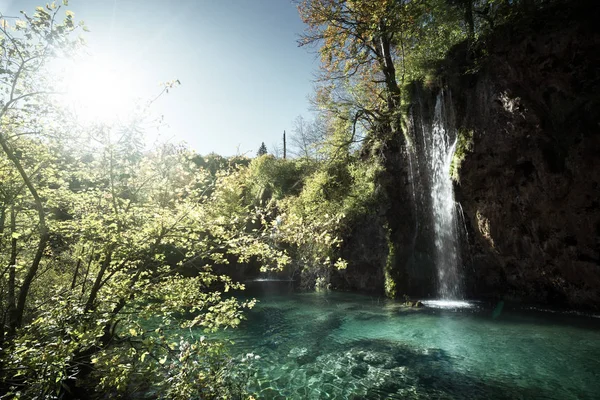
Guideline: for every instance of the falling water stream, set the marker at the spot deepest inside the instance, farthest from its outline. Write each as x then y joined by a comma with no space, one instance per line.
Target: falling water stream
439,148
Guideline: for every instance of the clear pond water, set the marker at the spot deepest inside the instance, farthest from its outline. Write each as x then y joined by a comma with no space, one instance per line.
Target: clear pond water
348,346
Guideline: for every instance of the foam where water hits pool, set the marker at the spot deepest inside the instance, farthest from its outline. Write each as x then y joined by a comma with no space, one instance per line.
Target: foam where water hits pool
449,304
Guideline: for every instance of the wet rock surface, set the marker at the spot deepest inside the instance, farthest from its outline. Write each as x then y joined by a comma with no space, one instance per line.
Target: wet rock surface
530,186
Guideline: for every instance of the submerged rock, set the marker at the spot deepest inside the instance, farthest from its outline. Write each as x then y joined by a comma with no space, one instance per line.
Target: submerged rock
298,352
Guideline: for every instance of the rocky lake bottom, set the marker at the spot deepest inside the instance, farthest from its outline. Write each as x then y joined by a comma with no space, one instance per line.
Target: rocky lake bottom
350,346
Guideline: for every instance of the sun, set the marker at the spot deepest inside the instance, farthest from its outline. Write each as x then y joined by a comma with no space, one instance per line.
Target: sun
99,91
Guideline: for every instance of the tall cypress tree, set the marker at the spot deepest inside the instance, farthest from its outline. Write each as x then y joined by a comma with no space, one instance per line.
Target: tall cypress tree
262,150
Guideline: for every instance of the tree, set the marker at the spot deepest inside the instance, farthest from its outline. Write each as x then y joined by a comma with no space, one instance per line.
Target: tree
358,43
369,49
467,7
361,43
262,150
307,137
102,248
27,48
276,149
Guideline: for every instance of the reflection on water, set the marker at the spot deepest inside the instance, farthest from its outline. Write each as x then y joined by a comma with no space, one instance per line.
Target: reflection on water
345,346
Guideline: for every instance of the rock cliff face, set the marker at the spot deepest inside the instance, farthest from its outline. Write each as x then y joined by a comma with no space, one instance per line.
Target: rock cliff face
529,179
526,105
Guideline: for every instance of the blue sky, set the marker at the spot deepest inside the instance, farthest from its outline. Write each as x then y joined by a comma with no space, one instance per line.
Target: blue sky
244,79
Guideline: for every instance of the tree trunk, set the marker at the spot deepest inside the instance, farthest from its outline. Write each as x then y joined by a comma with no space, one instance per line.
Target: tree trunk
284,146
2,222
389,72
470,22
89,305
12,263
43,231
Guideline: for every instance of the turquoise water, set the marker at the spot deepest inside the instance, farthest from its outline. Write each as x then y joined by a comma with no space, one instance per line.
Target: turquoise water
347,346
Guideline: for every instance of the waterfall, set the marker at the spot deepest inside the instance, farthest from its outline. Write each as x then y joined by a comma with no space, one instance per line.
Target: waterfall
439,150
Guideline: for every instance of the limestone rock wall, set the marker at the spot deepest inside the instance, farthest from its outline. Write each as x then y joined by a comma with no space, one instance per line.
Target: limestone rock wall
530,184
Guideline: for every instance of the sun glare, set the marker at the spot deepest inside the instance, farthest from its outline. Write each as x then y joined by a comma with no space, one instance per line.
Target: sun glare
99,92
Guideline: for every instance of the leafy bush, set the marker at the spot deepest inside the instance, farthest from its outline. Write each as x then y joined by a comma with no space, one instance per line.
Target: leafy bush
272,178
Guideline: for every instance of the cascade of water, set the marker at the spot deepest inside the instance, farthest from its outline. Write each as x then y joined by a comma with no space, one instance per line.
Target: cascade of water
440,147
414,176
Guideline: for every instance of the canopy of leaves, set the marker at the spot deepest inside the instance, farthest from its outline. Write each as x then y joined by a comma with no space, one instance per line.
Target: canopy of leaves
105,247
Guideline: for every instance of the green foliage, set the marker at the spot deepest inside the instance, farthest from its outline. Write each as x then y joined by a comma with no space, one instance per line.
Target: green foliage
337,188
315,220
464,145
436,28
88,300
272,178
104,271
214,163
389,281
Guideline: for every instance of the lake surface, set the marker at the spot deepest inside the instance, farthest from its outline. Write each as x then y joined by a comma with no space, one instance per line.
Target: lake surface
348,346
